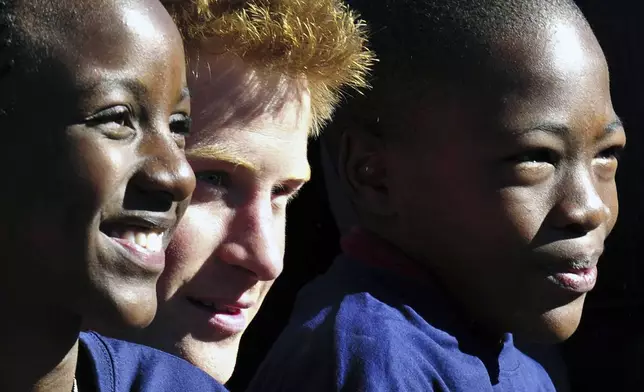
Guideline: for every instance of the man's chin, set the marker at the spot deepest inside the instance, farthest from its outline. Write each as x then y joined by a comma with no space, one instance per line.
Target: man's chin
218,359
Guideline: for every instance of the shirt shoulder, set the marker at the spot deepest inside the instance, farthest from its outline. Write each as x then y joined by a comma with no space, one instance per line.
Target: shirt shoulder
532,376
349,340
123,367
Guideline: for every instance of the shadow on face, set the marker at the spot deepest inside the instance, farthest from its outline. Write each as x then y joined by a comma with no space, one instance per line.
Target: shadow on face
99,112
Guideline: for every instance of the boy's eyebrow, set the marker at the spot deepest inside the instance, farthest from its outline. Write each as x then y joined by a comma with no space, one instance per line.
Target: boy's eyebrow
561,129
556,129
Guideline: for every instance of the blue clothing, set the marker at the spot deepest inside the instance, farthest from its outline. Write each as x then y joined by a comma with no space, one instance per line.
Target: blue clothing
119,366
362,327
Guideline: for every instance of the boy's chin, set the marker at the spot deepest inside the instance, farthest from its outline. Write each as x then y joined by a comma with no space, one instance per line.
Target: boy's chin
553,326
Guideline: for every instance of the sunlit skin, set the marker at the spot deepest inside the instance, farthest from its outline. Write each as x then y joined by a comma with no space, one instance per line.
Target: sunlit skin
506,191
96,147
248,151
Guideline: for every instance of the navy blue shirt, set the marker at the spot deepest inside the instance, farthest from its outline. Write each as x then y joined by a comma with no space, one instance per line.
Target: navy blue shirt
116,366
362,327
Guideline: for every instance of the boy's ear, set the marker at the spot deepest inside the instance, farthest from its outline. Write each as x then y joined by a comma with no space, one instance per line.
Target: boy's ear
362,167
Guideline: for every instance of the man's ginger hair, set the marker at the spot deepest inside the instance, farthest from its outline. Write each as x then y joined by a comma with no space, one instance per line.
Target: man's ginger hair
321,41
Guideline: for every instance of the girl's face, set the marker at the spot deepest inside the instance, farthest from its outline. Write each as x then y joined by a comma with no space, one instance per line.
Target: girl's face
99,163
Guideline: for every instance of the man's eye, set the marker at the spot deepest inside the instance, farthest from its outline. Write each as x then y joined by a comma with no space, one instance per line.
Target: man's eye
214,178
284,194
281,190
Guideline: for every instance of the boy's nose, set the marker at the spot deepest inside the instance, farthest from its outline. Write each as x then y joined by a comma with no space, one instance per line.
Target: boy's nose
581,208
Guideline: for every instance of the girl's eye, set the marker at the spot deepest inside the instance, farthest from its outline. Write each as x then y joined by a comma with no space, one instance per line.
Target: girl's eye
116,122
116,115
180,124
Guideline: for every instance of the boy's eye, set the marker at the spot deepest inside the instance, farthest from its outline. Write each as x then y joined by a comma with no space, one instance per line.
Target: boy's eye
606,162
612,153
180,124
116,122
540,155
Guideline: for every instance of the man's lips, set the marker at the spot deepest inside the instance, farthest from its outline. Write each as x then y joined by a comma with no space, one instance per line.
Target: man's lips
221,305
227,317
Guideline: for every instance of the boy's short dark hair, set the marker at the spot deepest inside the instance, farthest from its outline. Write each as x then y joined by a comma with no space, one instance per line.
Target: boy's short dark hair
445,37
427,44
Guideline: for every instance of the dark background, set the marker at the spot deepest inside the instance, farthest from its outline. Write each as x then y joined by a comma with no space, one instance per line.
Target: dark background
607,352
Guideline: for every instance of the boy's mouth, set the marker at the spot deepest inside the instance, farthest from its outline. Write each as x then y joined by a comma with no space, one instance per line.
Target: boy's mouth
577,273
576,280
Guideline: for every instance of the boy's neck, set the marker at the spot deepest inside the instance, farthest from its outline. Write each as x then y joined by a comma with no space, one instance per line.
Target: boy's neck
38,349
376,250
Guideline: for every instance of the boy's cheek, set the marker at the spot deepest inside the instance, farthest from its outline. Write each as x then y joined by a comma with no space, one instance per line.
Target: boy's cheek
526,210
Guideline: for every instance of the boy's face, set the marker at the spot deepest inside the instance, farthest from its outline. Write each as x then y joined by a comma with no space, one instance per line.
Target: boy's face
103,178
250,158
514,187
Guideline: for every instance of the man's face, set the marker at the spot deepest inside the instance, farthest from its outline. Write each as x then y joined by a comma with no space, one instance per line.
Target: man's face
509,193
248,150
103,177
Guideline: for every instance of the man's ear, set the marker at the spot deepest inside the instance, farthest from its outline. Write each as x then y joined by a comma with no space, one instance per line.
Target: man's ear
362,167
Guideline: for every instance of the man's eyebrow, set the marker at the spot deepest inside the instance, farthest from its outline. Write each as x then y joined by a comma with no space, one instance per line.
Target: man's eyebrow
219,153
235,158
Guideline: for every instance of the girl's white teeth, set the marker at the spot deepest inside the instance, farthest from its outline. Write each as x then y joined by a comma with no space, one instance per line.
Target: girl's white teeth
141,240
150,241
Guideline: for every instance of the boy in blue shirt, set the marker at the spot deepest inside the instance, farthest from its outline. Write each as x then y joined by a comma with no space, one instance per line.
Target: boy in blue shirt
482,170
94,111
